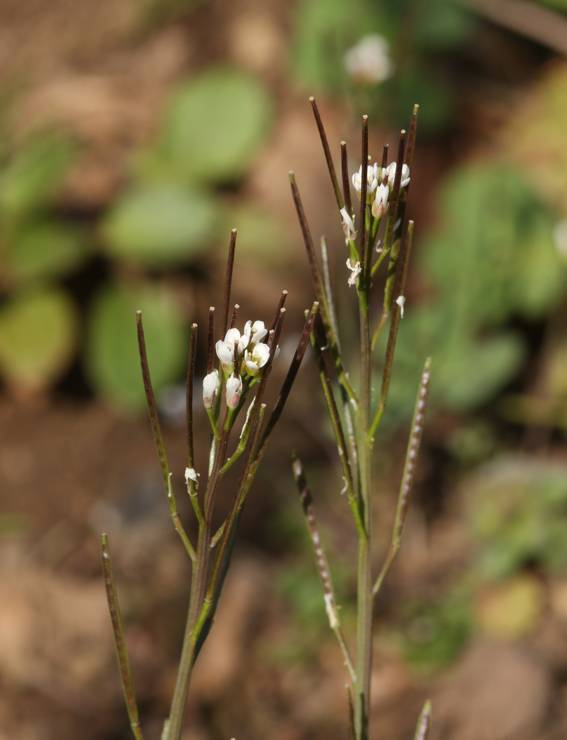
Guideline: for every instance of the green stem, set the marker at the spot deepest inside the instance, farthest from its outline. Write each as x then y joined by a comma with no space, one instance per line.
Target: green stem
364,573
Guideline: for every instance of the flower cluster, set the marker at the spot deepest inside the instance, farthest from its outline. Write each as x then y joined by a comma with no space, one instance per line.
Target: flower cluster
379,183
242,357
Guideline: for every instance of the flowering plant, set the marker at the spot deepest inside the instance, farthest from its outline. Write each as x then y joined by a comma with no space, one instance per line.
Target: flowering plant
238,368
377,234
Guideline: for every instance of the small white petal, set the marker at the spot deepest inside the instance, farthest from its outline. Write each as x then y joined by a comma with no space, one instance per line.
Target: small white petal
348,225
355,270
401,301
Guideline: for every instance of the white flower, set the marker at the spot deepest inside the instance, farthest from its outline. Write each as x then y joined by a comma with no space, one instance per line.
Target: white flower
191,475
369,60
348,225
380,202
233,344
233,391
211,385
391,174
355,270
401,301
255,331
372,174
256,359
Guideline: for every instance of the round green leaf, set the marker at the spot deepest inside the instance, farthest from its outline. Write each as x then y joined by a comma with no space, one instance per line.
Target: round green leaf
42,250
112,352
34,174
37,336
160,225
215,125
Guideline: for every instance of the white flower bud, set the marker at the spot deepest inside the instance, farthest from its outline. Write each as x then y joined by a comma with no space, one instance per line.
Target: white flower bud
211,385
257,358
255,331
348,225
233,344
233,391
401,301
380,202
372,172
391,174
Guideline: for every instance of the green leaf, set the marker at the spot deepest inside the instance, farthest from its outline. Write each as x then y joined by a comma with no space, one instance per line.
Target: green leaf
35,173
215,126
494,256
160,225
262,237
112,351
517,513
37,338
43,249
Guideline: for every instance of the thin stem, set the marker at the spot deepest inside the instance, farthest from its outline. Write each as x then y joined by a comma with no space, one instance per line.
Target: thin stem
211,340
319,291
234,315
281,304
424,722
177,523
228,278
291,375
327,286
120,640
151,403
362,227
345,178
364,573
321,560
340,438
408,476
400,284
189,395
327,153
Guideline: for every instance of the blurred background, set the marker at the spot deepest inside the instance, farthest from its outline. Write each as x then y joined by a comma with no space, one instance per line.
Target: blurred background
134,135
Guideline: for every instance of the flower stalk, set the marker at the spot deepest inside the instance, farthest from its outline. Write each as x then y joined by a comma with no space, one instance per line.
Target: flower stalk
377,235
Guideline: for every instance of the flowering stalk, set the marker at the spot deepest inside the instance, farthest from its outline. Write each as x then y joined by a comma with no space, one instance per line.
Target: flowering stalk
376,234
238,367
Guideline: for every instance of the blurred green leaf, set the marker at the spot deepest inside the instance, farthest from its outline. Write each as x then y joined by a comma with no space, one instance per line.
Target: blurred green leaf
160,225
215,125
43,249
261,236
112,351
435,632
494,254
34,174
37,337
517,512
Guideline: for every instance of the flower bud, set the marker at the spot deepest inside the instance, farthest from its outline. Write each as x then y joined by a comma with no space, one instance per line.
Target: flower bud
380,202
233,391
211,385
255,331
